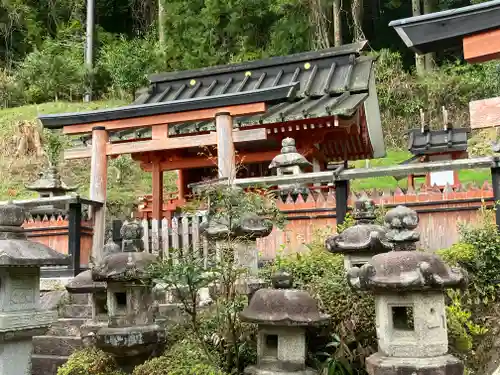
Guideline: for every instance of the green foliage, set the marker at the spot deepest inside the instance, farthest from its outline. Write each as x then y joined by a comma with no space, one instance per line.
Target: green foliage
10,92
128,62
402,94
89,362
184,358
53,145
54,71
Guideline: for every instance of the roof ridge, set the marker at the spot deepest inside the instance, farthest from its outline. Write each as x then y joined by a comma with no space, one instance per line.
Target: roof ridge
346,49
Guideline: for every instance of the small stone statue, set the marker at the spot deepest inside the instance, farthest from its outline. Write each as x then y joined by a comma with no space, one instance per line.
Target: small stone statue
132,232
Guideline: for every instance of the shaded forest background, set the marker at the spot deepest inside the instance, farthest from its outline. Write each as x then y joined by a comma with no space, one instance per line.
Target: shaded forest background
42,41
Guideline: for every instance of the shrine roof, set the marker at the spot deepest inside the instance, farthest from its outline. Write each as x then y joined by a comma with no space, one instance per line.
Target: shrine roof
437,141
440,30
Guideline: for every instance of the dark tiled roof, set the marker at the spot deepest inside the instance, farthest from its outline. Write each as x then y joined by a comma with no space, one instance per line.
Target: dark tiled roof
437,141
310,85
440,30
331,82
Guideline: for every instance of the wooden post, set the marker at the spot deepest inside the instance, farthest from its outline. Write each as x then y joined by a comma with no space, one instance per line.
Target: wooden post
495,181
341,198
226,160
157,205
98,182
74,234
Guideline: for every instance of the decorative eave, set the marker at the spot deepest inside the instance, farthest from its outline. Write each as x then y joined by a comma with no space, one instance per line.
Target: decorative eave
441,30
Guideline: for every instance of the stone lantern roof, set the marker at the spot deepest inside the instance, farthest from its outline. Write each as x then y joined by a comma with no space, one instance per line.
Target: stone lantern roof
16,250
250,226
365,236
50,181
126,266
289,156
404,271
83,283
283,306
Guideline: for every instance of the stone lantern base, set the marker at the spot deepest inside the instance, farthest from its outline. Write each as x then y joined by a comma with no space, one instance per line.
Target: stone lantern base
269,369
377,364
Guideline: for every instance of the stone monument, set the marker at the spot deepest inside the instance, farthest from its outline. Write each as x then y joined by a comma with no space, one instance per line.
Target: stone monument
363,240
283,315
290,162
21,316
409,304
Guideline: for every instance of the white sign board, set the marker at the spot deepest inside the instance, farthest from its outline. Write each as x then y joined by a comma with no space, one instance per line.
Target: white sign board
442,178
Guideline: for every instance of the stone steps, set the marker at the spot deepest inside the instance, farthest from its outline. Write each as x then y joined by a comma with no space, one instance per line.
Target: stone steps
66,327
62,346
46,364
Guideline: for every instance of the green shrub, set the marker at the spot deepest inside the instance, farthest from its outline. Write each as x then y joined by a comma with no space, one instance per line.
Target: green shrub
56,70
10,92
183,358
128,63
90,362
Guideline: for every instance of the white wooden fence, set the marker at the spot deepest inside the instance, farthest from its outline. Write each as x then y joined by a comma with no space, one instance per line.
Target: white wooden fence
181,234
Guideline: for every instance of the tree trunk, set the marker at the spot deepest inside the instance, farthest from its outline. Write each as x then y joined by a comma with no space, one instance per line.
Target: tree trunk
161,23
357,20
419,59
430,6
337,23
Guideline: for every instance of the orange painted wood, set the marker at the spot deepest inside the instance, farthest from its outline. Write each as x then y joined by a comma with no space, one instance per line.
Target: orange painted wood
482,47
55,235
168,118
157,182
204,162
202,140
98,188
485,113
159,131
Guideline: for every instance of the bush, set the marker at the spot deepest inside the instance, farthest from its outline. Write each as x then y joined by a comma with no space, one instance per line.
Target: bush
56,70
10,92
90,362
183,358
128,63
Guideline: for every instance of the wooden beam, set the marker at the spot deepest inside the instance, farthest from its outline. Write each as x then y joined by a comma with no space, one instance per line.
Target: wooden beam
204,162
482,47
485,113
351,174
203,140
169,118
98,188
226,161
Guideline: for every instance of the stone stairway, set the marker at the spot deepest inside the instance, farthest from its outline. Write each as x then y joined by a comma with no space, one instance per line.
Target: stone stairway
63,337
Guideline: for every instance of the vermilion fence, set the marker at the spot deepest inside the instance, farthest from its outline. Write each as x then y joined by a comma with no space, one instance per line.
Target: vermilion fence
439,213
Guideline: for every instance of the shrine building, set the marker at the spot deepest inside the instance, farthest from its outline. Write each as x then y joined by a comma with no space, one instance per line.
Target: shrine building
325,100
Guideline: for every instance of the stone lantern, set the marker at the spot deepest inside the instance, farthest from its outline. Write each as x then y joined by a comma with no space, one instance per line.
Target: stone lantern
48,185
409,304
240,237
21,315
283,315
290,162
361,241
131,333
